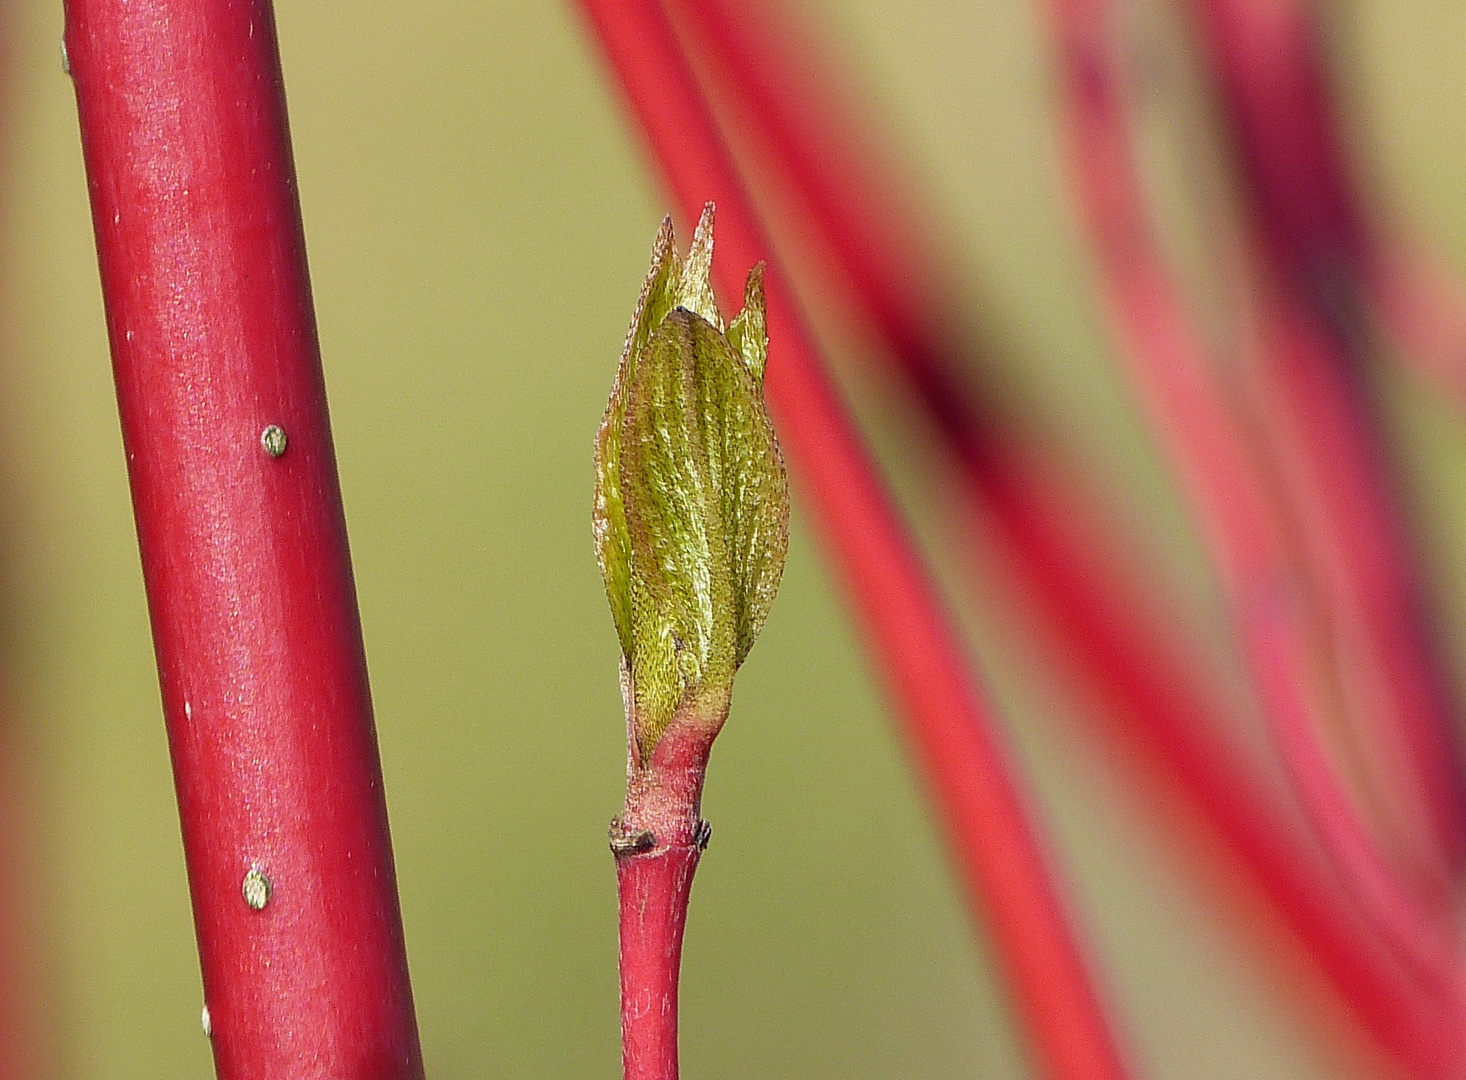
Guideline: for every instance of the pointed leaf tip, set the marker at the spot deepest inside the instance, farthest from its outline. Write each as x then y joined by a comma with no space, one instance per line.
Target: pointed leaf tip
748,333
696,291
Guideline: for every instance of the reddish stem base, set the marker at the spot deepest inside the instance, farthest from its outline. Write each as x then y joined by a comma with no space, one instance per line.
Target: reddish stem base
657,840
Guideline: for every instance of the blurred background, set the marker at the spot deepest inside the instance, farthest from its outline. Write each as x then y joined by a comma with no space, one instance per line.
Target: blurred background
479,215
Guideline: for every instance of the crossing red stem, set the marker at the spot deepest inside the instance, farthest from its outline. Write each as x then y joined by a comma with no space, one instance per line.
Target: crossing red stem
244,552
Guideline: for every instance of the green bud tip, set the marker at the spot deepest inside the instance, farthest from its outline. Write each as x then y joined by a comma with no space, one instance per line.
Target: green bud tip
692,500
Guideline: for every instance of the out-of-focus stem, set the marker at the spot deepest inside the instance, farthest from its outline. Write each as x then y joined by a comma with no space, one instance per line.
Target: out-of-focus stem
949,722
1232,496
1271,65
1314,410
1096,607
1404,1006
1268,60
1325,252
243,538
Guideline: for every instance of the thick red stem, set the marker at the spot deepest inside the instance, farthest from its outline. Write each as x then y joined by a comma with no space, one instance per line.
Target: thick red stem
948,720
243,546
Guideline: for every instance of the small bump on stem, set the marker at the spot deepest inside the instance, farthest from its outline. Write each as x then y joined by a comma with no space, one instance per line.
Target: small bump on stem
626,842
273,440
256,889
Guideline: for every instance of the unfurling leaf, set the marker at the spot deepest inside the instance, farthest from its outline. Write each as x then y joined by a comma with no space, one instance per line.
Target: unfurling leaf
692,503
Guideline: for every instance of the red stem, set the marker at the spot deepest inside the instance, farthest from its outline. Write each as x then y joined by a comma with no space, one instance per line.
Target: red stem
1227,484
1093,617
657,841
882,253
1271,67
1232,493
1268,60
1274,85
1095,607
652,891
950,724
1356,543
244,553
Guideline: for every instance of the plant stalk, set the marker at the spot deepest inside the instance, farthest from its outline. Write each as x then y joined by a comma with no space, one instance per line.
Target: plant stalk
243,539
657,841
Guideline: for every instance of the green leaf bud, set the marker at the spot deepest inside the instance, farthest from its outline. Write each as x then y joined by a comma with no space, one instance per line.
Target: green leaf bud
692,502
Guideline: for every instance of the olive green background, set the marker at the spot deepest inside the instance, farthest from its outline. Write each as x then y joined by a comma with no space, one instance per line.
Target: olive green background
479,217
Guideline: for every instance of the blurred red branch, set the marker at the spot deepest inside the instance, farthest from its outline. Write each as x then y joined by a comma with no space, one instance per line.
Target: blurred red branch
1271,66
243,538
951,726
1272,578
1321,243
1094,604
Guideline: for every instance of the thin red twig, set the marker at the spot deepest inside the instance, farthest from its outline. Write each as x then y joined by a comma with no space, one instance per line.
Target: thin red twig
652,896
657,841
243,538
955,739
1095,607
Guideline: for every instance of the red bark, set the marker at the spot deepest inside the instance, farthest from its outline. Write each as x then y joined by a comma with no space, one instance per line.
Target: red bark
657,841
652,891
244,552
